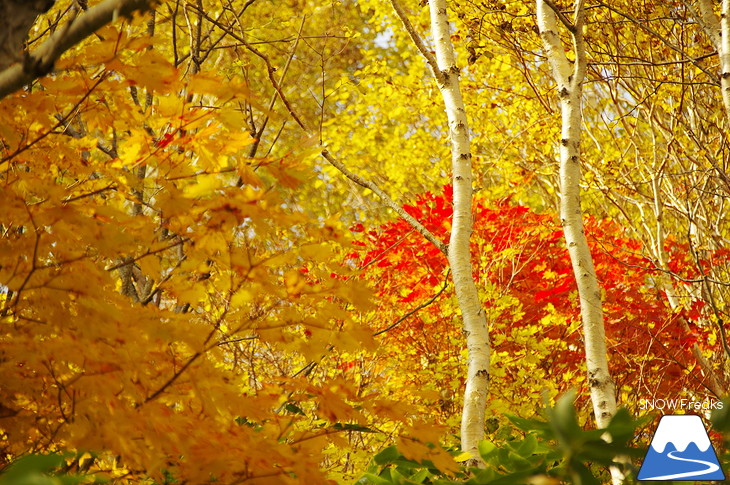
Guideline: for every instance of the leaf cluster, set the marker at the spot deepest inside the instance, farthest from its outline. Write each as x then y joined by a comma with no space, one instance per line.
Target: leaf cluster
549,450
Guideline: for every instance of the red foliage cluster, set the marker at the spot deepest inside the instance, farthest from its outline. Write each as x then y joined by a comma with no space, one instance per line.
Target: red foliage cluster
522,253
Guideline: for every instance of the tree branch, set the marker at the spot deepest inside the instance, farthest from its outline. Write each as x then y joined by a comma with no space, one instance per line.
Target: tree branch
561,16
417,41
659,37
386,198
708,21
417,309
41,60
16,20
333,161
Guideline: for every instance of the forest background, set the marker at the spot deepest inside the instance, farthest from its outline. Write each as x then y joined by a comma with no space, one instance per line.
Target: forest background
234,234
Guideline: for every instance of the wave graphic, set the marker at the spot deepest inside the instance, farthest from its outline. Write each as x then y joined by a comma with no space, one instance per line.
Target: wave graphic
711,467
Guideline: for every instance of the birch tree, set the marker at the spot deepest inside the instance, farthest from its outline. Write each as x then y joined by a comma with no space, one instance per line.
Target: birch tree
569,79
718,30
674,151
446,73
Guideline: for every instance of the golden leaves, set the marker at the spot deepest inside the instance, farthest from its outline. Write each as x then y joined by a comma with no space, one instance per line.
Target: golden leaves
149,305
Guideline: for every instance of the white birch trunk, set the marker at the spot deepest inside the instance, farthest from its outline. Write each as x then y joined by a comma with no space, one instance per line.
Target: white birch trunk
459,254
724,53
719,33
570,89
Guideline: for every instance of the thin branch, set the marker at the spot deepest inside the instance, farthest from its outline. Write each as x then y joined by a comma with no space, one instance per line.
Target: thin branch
248,4
708,21
386,250
62,120
417,41
661,38
269,68
417,309
443,247
158,287
334,162
89,194
654,63
173,378
260,131
149,252
206,348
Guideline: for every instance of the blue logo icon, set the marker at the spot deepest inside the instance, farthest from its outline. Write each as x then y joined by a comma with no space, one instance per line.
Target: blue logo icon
681,450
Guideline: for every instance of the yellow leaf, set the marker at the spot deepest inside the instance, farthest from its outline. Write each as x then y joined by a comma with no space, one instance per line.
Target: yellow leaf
204,185
240,297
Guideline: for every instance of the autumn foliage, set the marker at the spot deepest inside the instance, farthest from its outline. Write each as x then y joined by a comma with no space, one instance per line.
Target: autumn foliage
530,296
190,293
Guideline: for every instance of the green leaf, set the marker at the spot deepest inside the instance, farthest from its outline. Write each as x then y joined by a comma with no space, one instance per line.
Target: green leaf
516,478
388,455
622,426
486,448
395,475
528,446
352,427
420,476
720,417
586,477
294,409
527,425
564,420
370,478
31,470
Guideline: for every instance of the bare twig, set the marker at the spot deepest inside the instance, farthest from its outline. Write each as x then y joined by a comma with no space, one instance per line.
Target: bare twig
443,247
661,39
149,252
417,41
417,309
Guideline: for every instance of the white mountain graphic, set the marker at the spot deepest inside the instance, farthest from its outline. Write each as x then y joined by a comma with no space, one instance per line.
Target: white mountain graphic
680,449
680,430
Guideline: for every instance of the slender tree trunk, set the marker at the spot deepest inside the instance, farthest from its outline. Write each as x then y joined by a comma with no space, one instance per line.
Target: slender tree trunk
710,377
570,89
445,71
474,317
718,30
724,52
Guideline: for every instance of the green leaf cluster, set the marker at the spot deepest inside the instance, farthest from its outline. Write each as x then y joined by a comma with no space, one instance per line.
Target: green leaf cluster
550,450
42,469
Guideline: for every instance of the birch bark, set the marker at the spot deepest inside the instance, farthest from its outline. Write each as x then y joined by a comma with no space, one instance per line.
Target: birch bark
724,52
719,33
570,89
444,68
446,73
459,253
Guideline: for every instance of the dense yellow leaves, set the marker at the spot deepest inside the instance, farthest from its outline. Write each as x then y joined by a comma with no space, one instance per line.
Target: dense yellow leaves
153,309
